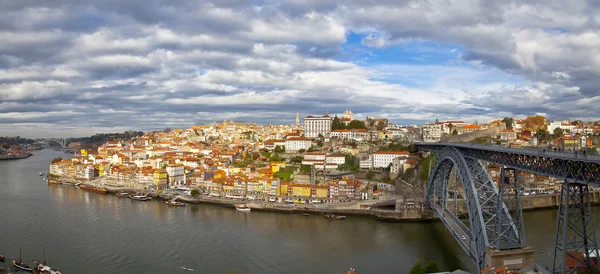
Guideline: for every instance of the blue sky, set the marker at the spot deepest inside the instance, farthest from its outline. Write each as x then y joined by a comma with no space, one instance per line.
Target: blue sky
85,67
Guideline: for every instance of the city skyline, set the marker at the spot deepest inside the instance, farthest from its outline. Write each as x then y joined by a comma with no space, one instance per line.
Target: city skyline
85,67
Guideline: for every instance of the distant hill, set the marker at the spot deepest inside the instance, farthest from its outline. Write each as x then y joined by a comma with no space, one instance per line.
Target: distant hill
100,138
15,141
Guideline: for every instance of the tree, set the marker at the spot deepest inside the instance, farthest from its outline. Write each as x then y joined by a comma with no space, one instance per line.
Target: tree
431,267
417,269
558,132
310,149
337,124
302,150
370,175
279,149
380,125
412,148
297,159
195,192
355,124
509,121
543,135
535,123
455,132
56,160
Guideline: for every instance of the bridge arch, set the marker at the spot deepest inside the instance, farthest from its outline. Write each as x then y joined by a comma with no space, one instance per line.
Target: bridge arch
485,208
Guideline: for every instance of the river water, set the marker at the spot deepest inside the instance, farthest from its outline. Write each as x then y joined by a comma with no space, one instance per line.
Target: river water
84,232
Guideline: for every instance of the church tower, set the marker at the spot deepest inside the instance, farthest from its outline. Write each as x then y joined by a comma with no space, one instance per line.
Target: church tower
297,119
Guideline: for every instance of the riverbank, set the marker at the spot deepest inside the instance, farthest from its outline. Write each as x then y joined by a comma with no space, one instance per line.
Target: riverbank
15,157
357,208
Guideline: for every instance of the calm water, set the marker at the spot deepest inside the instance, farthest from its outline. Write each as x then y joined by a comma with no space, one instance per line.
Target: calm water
91,233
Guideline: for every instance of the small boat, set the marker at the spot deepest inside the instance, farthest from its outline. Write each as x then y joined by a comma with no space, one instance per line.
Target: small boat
305,214
1,258
334,217
243,208
186,268
41,173
140,197
20,265
78,184
174,203
44,268
91,188
123,194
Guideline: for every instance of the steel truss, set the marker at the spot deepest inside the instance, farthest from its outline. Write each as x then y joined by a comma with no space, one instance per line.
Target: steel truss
508,192
487,211
560,165
575,237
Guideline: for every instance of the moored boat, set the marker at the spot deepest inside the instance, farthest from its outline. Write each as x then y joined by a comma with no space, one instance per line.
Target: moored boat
94,189
174,203
53,182
46,269
144,197
305,214
1,258
334,217
20,264
123,194
243,208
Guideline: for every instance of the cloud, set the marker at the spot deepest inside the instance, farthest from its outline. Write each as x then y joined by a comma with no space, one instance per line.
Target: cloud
143,65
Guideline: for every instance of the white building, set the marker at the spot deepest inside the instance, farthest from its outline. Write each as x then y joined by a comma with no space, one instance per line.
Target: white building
564,125
313,126
366,163
89,172
382,159
314,158
356,134
433,132
297,143
176,175
339,159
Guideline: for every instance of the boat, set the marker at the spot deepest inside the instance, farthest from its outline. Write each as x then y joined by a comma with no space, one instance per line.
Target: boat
243,208
123,194
139,197
94,189
78,184
186,268
53,182
174,203
41,173
334,217
305,214
20,265
44,268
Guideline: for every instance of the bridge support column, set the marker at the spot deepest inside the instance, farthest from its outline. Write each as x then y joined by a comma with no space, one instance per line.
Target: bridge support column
514,259
575,234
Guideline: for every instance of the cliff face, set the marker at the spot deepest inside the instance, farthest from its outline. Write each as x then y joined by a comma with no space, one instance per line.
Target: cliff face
411,184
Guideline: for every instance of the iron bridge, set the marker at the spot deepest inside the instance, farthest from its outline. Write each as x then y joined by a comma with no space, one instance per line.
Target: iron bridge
494,210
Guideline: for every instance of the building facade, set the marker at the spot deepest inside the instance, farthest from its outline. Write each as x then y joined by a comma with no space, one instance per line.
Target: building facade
315,125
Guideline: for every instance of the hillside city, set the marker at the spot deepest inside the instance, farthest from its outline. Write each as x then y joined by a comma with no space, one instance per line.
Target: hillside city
325,158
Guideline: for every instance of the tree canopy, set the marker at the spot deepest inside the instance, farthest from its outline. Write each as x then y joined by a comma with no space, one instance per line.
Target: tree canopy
535,123
337,124
509,122
558,132
355,124
56,160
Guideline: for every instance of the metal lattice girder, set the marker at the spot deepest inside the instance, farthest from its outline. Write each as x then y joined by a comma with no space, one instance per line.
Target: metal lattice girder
508,196
575,234
573,167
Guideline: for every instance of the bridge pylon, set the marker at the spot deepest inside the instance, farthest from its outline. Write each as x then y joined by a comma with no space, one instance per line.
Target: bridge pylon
576,248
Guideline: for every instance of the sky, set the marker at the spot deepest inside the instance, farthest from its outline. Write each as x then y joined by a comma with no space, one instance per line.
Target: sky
80,67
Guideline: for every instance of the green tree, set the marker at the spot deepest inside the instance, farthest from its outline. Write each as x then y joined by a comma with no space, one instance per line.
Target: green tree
305,169
455,132
355,124
417,269
558,132
431,267
279,149
412,148
310,149
508,121
337,124
302,150
543,135
297,159
195,192
56,160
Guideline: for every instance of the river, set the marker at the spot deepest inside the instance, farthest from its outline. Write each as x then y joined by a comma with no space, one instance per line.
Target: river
84,232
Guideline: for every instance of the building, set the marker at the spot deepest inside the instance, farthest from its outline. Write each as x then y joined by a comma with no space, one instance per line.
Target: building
338,159
366,163
176,175
160,179
356,134
272,143
297,143
433,132
383,159
508,135
314,125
